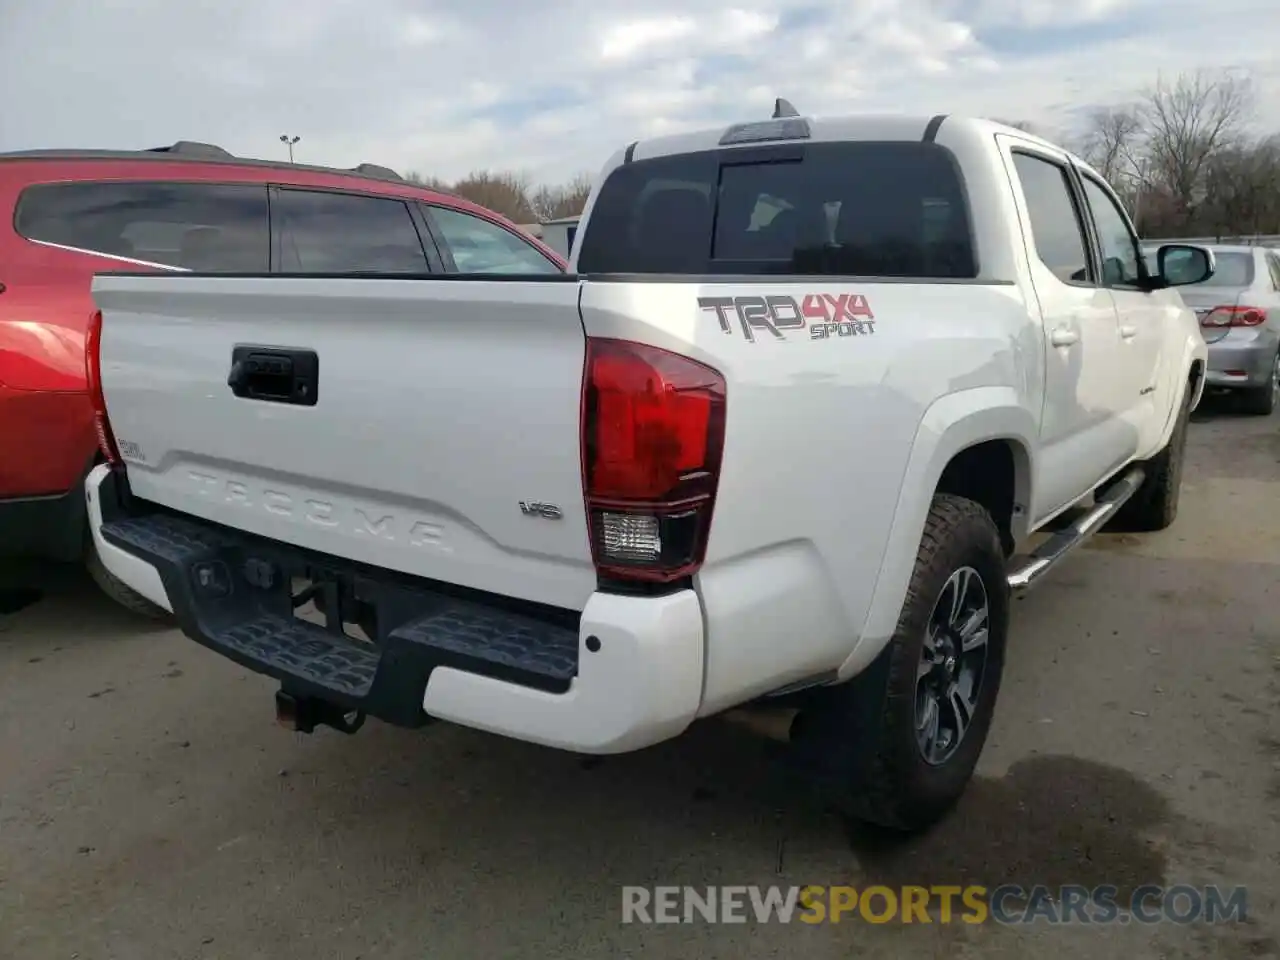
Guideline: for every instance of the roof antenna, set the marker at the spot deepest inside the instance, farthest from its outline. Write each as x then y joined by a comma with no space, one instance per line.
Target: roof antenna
783,108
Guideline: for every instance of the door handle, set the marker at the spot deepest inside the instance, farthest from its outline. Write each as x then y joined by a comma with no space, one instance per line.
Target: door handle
1063,337
1128,331
274,374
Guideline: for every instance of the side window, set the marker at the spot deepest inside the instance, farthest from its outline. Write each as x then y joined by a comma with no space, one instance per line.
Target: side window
1056,228
1120,267
479,246
206,227
1273,261
323,232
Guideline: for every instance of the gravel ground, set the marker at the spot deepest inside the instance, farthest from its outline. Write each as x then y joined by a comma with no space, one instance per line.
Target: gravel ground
149,807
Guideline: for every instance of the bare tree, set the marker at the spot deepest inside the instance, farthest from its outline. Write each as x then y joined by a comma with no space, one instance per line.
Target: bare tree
1112,142
1186,123
563,200
431,183
1242,189
512,195
502,192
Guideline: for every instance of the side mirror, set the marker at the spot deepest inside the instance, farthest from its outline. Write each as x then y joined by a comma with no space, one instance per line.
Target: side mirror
1182,264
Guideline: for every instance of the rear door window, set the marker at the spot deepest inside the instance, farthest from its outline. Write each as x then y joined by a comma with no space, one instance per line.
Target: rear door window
329,232
874,209
479,246
1056,228
206,227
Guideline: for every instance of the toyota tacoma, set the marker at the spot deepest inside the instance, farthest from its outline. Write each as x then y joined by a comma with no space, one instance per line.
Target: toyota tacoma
817,397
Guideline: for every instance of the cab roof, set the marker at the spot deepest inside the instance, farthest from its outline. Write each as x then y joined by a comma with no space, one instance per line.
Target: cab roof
851,127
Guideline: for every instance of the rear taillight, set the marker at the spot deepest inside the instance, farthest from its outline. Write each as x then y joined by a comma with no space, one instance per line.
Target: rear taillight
1234,317
93,376
652,439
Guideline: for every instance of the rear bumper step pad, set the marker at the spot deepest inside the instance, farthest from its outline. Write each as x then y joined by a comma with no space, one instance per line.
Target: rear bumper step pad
232,593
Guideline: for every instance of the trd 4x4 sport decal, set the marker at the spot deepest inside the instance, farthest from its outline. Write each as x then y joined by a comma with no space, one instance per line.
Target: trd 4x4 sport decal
825,315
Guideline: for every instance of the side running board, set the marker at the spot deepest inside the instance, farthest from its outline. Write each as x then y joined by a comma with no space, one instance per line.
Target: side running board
1048,554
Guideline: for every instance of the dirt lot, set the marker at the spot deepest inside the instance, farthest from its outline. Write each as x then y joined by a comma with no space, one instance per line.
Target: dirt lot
149,808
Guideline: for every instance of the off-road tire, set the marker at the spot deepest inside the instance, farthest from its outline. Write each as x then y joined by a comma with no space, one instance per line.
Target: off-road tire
1155,504
131,600
860,736
1261,401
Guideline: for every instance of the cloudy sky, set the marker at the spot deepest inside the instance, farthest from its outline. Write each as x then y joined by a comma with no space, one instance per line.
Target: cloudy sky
552,87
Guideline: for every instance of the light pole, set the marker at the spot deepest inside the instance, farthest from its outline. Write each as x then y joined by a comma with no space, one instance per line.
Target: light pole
289,141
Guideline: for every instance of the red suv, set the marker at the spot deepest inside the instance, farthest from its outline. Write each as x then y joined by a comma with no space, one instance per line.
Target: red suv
68,214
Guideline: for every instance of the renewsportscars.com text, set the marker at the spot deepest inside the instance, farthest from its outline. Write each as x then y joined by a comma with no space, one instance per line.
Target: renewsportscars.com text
1008,904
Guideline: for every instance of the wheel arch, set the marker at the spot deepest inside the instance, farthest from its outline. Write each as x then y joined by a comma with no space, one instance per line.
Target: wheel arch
990,428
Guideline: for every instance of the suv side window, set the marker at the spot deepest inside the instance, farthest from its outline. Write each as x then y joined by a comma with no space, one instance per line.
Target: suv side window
206,227
479,246
1056,227
326,232
1120,248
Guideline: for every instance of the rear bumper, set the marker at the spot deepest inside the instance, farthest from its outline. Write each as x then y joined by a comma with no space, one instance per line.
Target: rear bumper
625,674
1242,363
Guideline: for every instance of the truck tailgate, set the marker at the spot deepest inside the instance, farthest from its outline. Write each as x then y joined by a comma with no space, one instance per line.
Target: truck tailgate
440,436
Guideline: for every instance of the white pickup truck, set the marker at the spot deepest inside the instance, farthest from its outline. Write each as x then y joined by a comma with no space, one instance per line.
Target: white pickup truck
782,435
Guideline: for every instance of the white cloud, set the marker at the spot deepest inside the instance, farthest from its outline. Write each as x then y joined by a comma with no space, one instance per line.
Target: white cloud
628,39
738,26
443,87
418,31
1047,13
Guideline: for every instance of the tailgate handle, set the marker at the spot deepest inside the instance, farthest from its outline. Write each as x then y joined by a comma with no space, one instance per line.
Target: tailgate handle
274,374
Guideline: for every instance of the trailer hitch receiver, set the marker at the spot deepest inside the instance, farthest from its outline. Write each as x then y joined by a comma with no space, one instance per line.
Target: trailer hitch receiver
304,714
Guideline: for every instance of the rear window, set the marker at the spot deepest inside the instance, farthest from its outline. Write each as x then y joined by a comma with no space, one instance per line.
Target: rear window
868,209
1233,269
219,228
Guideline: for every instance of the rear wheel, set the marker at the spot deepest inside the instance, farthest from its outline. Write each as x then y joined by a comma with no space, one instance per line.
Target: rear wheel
1155,505
900,741
1261,401
112,586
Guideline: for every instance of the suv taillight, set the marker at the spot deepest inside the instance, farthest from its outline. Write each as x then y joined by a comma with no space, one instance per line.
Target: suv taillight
93,376
1234,317
652,440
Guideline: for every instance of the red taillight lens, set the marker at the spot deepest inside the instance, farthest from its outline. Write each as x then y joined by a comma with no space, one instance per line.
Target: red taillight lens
93,376
652,440
1234,317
